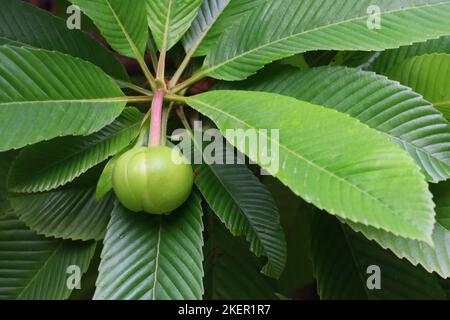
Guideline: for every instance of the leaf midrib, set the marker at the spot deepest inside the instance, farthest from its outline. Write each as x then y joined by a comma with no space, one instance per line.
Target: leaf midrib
217,66
43,267
130,41
316,166
158,247
94,100
19,187
203,33
418,148
167,24
15,41
243,213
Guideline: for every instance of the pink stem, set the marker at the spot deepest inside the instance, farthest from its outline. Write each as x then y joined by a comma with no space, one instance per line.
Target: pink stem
155,124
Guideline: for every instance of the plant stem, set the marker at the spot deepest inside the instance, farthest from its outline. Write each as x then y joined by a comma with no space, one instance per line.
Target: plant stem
153,56
176,77
165,119
134,87
183,119
141,138
155,124
147,73
185,122
162,52
180,70
161,68
184,85
175,98
136,99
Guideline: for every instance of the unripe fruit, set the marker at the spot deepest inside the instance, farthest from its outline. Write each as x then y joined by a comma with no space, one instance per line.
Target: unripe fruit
156,180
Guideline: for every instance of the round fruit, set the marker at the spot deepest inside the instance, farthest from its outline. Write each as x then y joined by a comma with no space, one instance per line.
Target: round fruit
156,180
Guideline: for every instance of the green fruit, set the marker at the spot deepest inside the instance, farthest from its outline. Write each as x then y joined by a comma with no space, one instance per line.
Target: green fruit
156,180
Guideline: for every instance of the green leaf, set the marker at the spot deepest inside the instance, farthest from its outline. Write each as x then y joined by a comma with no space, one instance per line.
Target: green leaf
219,18
389,59
87,284
295,221
231,272
6,160
445,284
341,259
104,184
429,76
355,59
48,165
286,27
247,208
35,268
330,159
441,193
68,213
170,19
382,104
23,24
122,23
208,14
298,61
153,257
434,258
45,94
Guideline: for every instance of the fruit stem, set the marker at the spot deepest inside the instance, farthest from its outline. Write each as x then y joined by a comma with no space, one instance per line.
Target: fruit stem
155,124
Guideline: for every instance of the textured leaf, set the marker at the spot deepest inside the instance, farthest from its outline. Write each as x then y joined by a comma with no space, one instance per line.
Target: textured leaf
48,94
445,284
441,193
382,104
220,19
429,76
153,257
122,23
50,164
35,268
104,184
247,208
69,213
170,19
433,259
356,59
4,42
390,59
285,27
6,160
231,272
331,160
208,14
295,221
22,24
341,259
298,61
